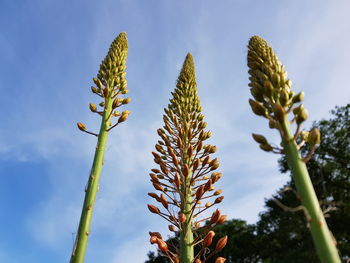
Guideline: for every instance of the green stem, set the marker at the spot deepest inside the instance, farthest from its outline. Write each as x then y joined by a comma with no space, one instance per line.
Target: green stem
322,237
79,249
186,235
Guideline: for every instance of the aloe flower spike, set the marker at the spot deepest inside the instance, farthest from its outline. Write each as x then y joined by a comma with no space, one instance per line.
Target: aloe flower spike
110,84
275,100
186,173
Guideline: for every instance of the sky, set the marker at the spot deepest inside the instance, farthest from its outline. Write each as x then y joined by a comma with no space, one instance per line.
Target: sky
50,51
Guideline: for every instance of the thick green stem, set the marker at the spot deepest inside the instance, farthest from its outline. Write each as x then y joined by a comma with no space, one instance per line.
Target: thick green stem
322,237
78,253
186,235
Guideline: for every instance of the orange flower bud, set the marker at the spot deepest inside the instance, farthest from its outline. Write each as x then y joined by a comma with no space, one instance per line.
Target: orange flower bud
182,217
153,209
186,170
81,126
215,216
200,192
162,245
157,234
220,260
221,243
219,199
171,228
153,240
208,238
164,201
221,220
218,192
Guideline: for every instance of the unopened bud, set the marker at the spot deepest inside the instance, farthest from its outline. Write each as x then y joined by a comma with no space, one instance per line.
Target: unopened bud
298,98
208,204
279,112
200,192
182,217
186,170
302,116
304,135
218,192
81,126
221,220
219,199
153,209
171,228
268,88
97,83
284,97
153,240
314,137
214,164
220,260
259,138
208,239
162,245
266,147
221,243
257,108
126,101
215,216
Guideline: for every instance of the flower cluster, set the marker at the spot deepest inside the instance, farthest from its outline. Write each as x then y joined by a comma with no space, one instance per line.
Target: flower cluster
274,98
110,83
186,175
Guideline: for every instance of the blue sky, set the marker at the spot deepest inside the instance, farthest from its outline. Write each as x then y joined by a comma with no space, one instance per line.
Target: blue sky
49,52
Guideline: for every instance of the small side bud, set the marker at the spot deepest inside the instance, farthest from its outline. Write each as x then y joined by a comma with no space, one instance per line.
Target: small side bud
153,209
257,108
126,101
219,200
81,126
266,147
259,138
182,217
302,116
279,112
314,137
92,107
298,98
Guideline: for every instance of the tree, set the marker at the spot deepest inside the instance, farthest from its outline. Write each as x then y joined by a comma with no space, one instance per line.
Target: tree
330,173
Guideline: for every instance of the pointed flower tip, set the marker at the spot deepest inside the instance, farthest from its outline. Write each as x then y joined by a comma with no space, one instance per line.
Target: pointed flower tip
187,74
122,40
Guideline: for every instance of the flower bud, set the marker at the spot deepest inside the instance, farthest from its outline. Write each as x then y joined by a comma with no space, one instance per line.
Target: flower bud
200,192
257,108
268,88
304,135
314,137
156,234
182,217
208,204
266,147
220,260
221,243
219,199
221,220
94,90
214,164
298,98
284,98
162,245
259,138
153,240
164,201
126,101
215,216
218,192
171,228
186,170
153,209
81,126
208,239
97,83
302,116
279,112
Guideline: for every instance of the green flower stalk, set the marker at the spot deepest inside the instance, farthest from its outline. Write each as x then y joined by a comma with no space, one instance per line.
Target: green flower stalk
275,101
186,176
110,84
